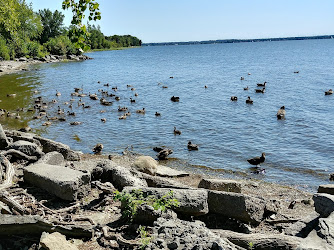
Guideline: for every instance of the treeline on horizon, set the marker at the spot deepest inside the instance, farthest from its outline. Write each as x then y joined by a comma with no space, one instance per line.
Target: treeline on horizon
25,33
241,40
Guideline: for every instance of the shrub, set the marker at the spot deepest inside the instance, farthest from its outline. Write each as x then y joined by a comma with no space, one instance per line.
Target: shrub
35,49
4,49
131,201
61,45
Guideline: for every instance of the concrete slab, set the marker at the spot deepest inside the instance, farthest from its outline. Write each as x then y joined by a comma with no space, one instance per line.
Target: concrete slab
164,171
65,183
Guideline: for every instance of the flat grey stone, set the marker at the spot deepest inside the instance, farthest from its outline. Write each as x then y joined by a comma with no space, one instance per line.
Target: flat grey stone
328,189
192,201
55,241
324,204
221,185
238,206
164,171
28,148
65,183
52,158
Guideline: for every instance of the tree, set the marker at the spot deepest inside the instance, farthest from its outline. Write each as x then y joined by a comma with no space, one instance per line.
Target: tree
79,34
52,24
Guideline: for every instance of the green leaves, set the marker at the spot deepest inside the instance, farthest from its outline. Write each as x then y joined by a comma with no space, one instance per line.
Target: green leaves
79,32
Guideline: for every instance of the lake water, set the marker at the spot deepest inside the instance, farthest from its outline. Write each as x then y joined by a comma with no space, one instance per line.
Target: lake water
299,150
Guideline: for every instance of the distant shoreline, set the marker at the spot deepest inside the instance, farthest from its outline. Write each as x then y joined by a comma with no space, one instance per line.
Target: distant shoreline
241,40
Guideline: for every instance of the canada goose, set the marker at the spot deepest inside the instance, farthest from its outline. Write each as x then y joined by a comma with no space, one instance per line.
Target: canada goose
77,90
281,113
75,94
93,96
25,129
103,120
132,100
71,113
103,111
98,81
296,72
11,95
165,87
75,123
128,86
175,98
114,88
176,132
136,94
141,111
58,93
242,78
192,146
62,119
120,109
261,84
127,114
123,117
249,74
329,92
246,88
234,98
249,100
107,84
47,123
54,118
162,154
260,90
11,114
133,89
82,95
157,114
257,160
205,86
117,98
18,117
98,148
86,106
171,77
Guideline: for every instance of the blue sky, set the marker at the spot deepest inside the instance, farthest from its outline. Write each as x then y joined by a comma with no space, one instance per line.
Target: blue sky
195,20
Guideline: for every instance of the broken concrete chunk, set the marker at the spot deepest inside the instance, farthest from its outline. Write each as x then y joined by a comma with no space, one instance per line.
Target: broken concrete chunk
328,189
65,183
164,171
146,164
221,185
55,241
238,206
28,148
52,158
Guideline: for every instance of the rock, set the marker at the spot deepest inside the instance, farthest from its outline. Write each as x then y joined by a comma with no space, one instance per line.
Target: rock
28,148
260,241
179,234
314,242
52,158
164,171
326,229
238,206
55,241
50,146
4,209
324,204
53,58
34,225
65,183
328,189
146,215
304,226
22,59
18,155
121,177
3,139
146,164
159,182
221,185
192,202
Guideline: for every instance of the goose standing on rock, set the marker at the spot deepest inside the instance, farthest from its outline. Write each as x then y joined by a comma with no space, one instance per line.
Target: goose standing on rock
281,113
257,160
192,146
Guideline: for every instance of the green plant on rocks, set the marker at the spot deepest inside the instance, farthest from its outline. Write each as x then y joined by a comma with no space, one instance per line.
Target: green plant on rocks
132,200
144,237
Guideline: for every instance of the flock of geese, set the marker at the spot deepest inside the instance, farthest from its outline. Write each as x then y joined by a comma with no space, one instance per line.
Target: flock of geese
106,97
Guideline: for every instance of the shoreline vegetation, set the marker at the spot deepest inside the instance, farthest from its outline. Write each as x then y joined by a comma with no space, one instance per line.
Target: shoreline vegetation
132,201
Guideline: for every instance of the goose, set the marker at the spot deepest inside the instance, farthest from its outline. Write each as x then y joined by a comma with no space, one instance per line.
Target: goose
117,98
192,146
128,86
260,90
25,129
329,92
162,154
176,132
58,93
93,96
107,84
120,109
77,90
281,113
47,123
127,114
242,78
114,88
103,120
136,94
103,111
157,114
257,160
296,72
18,117
171,77
62,119
75,94
98,148
141,111
75,123
132,100
123,117
249,100
234,98
205,86
10,114
261,84
165,87
71,113
55,118
175,98
133,89
246,88
11,95
82,95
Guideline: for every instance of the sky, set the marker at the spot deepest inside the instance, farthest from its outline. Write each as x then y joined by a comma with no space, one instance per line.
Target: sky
199,20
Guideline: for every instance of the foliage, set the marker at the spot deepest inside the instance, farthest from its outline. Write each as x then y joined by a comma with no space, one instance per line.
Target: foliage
250,245
79,34
61,45
52,24
144,238
124,41
131,201
4,50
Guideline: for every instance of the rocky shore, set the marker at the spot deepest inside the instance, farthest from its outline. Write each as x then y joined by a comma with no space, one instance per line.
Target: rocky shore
22,64
52,197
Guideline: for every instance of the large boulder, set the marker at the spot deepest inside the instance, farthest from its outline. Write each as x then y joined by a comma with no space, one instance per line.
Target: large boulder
221,185
328,189
28,148
239,206
324,204
52,158
65,183
192,202
55,241
146,164
3,139
326,229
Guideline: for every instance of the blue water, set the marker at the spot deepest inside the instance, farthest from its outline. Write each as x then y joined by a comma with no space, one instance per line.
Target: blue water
299,149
